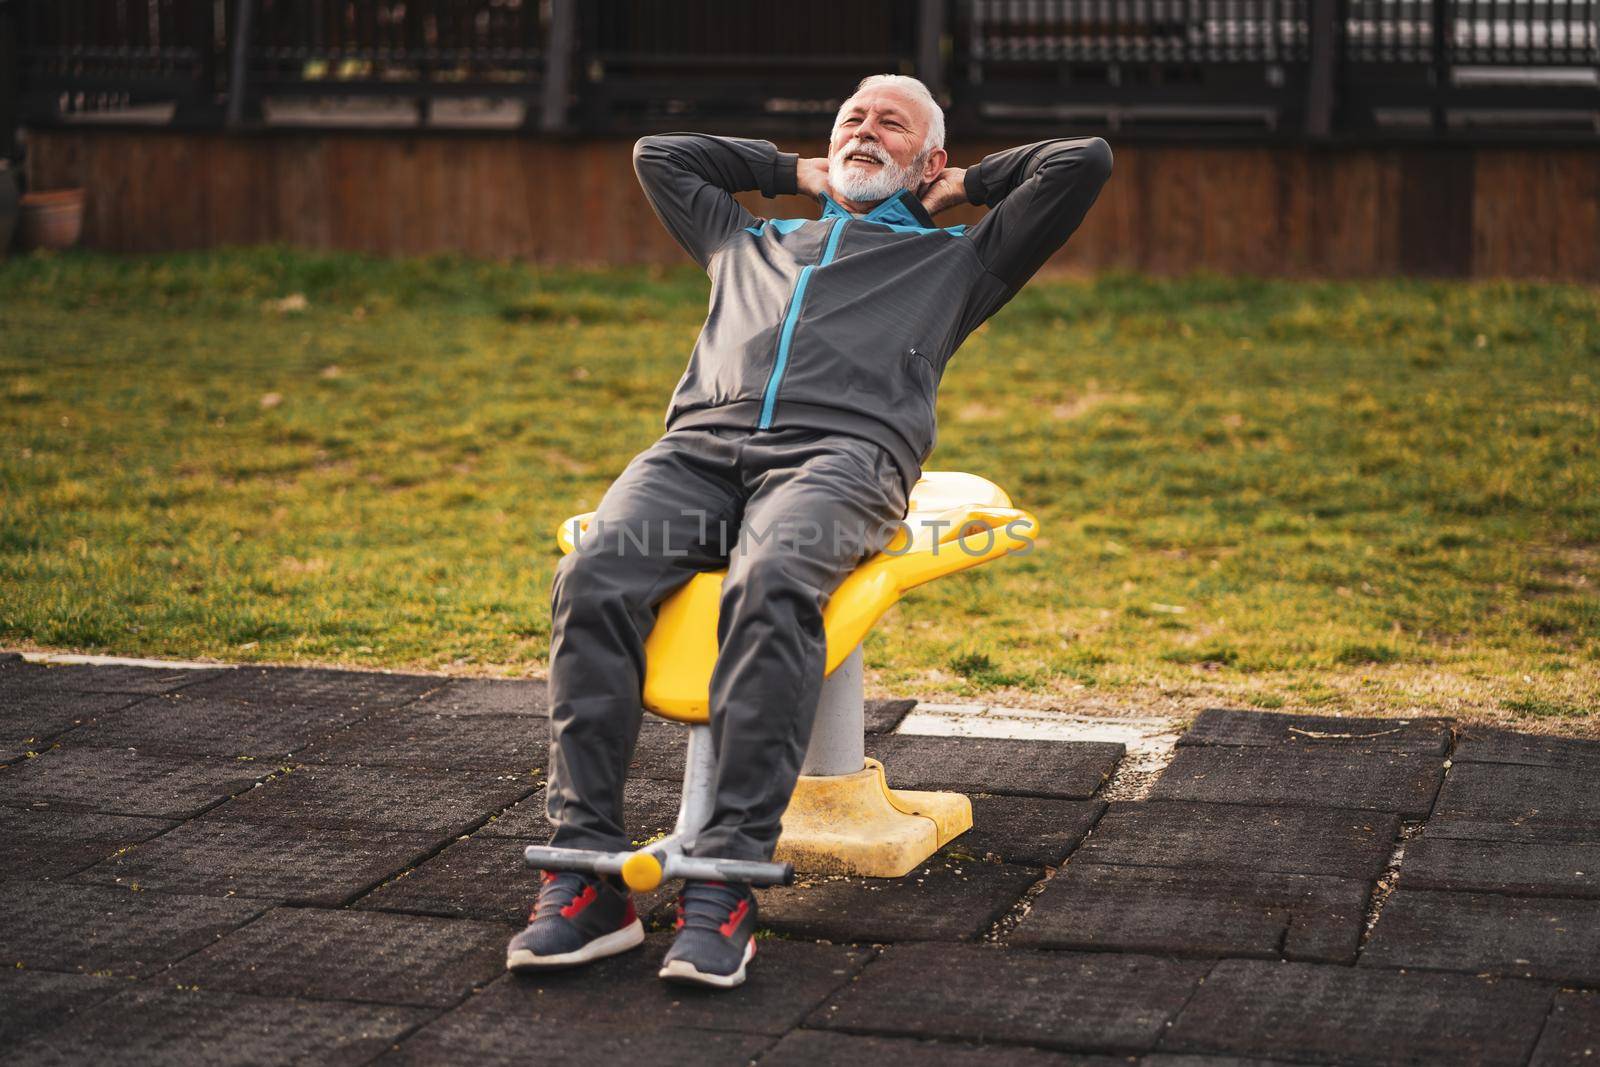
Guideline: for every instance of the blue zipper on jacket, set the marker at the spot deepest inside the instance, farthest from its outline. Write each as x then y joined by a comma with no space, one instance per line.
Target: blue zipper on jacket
786,336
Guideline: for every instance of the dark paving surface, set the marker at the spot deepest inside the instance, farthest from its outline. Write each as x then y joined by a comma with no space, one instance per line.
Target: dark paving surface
183,724
284,863
48,844
1069,770
1031,831
1489,933
37,1002
1572,1033
1225,726
1350,844
158,1026
942,900
1071,1001
123,781
1353,1015
379,798
1304,774
352,955
1198,913
439,741
175,896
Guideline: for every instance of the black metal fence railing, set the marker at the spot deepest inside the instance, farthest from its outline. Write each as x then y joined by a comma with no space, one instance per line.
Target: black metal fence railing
1288,68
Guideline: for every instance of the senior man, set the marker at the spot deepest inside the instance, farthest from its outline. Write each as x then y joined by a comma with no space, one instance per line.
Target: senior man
801,423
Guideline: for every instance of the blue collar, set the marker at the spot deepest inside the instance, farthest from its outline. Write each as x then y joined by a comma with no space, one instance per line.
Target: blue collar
901,209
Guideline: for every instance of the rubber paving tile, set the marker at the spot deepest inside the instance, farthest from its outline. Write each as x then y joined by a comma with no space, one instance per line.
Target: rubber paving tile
36,1002
942,900
38,717
1030,831
1162,1059
342,690
483,878
1197,913
1226,726
1488,933
124,782
75,678
1530,868
1303,776
1571,1035
279,863
198,725
660,751
56,926
1347,1015
1087,1002
806,1048
163,1027
506,1041
488,696
1502,801
379,798
1071,770
786,979
475,877
882,716
1481,744
41,845
428,739
352,955
649,807
1341,842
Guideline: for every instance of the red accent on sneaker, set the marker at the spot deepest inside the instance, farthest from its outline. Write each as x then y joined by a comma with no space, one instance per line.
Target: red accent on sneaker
735,916
629,915
679,924
579,902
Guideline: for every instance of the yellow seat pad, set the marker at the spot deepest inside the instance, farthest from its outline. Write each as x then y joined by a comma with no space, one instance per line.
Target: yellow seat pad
953,521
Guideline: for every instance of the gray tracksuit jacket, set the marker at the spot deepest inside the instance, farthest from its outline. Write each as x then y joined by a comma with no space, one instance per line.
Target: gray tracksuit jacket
845,323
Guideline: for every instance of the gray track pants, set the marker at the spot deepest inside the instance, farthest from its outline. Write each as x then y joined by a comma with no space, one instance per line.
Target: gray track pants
790,512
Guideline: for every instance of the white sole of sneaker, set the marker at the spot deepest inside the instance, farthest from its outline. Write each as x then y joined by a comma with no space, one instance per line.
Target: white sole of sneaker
684,971
630,936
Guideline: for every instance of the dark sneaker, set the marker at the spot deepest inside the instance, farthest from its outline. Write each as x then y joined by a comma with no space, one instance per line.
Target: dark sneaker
716,935
578,918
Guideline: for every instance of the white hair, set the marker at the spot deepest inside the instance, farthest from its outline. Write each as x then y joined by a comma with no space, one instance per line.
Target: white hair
912,87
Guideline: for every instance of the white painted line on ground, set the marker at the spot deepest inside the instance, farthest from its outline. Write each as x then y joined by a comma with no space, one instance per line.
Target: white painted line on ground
123,661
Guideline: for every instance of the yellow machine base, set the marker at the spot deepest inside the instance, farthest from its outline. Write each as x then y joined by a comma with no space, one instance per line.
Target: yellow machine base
856,824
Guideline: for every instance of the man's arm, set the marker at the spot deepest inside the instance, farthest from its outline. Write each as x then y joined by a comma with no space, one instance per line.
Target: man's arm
690,179
1037,195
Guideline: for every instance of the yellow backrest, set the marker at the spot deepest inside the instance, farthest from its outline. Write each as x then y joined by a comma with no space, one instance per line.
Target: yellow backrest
953,521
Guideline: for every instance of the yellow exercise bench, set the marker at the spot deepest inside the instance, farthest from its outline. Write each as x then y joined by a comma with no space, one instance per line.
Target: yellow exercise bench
842,818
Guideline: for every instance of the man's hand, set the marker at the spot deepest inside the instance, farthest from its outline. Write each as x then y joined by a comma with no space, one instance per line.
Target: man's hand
811,175
947,190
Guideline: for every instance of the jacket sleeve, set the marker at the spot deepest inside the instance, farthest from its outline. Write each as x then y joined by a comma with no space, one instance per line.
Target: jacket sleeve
1038,194
690,179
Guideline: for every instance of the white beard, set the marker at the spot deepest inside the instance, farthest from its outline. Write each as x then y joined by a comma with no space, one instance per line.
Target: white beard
861,185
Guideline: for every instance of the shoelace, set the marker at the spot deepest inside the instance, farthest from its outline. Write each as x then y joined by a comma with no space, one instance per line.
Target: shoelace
707,905
559,890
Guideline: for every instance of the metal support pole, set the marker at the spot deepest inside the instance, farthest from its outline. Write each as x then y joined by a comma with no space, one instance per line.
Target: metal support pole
10,81
242,13
930,36
557,66
1439,50
1324,63
838,738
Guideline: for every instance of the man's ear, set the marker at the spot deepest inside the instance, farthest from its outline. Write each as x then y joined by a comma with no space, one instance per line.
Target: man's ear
935,164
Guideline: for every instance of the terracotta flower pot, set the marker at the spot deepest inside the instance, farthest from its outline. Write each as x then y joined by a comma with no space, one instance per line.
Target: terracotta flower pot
51,219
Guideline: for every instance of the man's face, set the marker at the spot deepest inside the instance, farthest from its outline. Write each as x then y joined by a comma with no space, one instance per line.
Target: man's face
876,149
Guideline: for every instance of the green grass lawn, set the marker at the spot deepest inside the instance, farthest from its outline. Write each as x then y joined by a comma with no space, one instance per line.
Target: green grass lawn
1368,498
